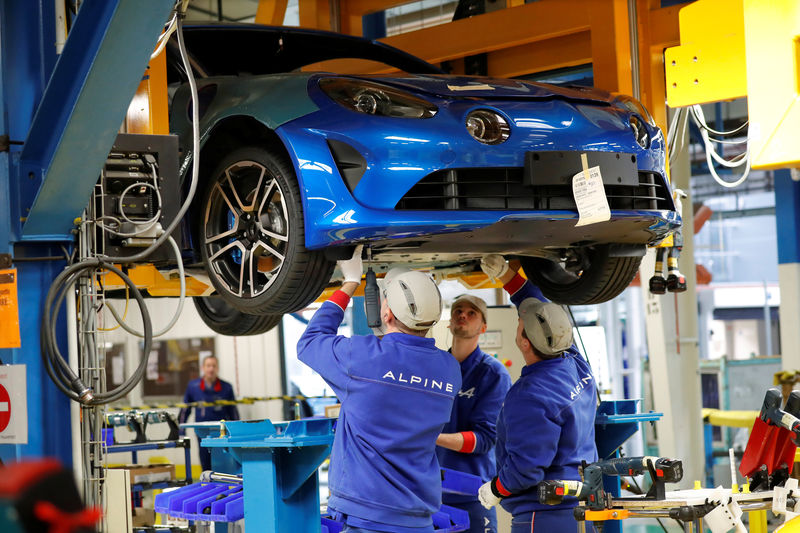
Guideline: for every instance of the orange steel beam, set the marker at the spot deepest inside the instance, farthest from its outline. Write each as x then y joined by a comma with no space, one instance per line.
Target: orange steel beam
497,30
611,50
658,29
315,14
271,12
550,24
147,112
560,52
364,7
149,278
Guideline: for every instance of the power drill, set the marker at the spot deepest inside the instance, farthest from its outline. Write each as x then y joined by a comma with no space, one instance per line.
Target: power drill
553,492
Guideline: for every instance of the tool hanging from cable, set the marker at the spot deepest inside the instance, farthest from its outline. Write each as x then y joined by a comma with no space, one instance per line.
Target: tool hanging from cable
372,295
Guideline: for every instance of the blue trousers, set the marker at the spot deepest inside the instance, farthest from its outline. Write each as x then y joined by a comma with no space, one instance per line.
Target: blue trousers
481,520
560,520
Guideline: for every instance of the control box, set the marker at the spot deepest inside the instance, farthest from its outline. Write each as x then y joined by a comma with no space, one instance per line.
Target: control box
138,196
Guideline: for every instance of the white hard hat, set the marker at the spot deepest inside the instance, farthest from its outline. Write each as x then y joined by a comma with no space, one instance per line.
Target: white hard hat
413,298
546,325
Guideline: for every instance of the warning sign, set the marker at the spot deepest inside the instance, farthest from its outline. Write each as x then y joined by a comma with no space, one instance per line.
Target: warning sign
9,310
13,405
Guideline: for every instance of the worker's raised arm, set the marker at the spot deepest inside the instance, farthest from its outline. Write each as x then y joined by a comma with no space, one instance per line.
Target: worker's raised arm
495,266
319,346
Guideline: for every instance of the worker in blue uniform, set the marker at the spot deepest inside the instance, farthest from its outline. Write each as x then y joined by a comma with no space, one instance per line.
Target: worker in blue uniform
467,440
546,426
208,388
396,394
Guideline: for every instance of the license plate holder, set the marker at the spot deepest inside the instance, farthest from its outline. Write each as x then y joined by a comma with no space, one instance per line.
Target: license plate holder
558,167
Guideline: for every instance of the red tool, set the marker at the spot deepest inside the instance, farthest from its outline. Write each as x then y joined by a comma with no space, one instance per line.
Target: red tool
40,496
769,454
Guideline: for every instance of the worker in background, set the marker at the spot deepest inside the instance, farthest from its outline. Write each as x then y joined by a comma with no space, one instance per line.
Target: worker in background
467,440
208,388
396,394
546,426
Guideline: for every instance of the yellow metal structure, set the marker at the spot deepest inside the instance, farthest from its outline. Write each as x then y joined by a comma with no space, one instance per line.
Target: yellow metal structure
772,37
792,526
707,66
734,419
156,283
757,519
735,48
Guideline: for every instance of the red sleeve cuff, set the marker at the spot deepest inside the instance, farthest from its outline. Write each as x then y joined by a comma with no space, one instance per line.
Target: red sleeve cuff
500,488
340,298
469,442
515,284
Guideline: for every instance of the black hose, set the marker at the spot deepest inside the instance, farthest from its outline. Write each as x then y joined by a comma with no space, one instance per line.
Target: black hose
56,366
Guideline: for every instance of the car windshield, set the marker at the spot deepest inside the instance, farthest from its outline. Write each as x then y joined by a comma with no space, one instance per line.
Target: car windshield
246,50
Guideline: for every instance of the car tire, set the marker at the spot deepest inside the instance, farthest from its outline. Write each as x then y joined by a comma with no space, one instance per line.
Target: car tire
602,278
225,320
252,235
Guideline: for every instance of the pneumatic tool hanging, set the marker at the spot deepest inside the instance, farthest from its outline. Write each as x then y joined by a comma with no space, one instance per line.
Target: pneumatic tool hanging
372,296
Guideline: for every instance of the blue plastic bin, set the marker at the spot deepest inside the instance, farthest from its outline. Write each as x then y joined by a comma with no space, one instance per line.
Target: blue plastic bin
224,502
209,502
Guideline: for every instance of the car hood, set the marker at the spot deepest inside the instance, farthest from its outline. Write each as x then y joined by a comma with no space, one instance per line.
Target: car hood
489,88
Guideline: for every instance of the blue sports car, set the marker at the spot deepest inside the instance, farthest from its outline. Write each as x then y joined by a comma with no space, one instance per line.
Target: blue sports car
302,158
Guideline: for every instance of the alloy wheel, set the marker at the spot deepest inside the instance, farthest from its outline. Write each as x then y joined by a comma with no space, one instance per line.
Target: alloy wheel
246,229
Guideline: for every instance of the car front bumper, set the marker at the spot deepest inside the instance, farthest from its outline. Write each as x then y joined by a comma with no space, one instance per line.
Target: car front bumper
398,153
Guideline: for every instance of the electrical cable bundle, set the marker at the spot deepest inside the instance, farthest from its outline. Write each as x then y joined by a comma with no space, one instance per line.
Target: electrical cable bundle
676,138
57,368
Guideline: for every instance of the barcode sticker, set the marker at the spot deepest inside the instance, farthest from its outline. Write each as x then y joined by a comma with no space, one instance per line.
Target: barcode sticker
590,197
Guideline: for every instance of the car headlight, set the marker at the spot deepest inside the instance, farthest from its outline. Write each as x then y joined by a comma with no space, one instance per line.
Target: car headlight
634,106
376,99
640,132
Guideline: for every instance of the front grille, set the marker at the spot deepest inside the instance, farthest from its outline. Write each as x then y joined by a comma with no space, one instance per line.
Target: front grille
503,189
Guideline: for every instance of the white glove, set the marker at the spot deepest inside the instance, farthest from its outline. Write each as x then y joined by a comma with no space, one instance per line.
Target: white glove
485,495
352,268
494,265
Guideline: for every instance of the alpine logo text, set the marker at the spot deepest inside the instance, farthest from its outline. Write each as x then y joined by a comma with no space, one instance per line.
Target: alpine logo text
427,383
582,384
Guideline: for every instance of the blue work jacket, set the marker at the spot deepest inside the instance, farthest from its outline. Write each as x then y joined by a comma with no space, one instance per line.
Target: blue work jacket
396,394
197,391
484,384
546,426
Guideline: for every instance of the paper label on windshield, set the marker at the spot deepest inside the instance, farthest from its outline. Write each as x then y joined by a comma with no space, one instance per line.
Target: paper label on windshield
474,87
590,197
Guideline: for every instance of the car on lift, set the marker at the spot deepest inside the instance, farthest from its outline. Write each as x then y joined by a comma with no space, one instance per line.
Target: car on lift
303,156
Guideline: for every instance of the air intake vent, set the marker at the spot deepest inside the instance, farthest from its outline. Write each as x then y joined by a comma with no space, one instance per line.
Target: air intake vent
502,189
